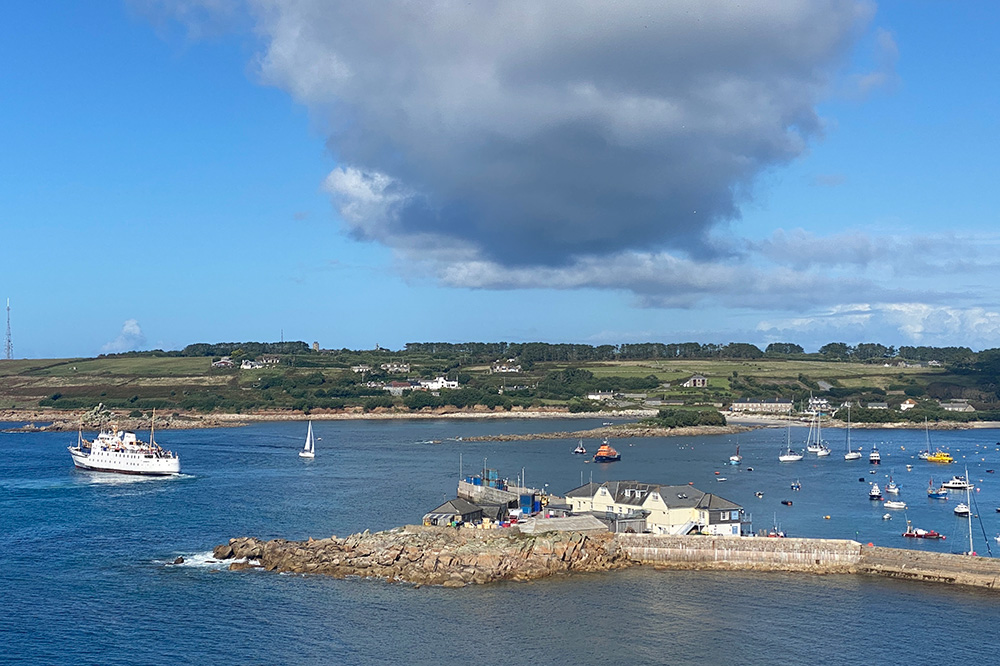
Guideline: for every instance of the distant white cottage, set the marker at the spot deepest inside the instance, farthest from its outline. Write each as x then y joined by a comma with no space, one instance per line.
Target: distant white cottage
438,383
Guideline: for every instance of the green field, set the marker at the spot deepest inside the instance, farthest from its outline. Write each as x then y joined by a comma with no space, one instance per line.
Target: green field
325,381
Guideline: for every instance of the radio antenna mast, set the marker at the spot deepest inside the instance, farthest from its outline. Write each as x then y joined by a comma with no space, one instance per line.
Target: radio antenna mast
8,346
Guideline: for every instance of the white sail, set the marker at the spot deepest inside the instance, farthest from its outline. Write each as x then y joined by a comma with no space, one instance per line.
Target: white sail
309,448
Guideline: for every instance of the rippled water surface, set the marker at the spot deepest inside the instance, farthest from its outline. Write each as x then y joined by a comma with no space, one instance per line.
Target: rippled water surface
84,575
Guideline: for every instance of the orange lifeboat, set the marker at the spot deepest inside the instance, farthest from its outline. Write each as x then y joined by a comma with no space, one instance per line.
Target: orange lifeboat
606,453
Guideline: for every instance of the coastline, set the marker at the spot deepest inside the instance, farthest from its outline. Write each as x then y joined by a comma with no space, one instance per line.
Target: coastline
71,420
450,557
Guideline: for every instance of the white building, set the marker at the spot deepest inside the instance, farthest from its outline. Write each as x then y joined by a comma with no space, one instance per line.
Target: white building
510,365
438,383
667,509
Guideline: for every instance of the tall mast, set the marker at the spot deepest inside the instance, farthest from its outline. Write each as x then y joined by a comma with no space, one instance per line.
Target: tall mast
8,346
968,503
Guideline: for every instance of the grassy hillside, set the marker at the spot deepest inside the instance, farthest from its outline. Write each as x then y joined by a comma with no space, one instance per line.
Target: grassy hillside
141,382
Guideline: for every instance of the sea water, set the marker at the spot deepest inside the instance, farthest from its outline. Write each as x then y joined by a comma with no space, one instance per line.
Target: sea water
86,573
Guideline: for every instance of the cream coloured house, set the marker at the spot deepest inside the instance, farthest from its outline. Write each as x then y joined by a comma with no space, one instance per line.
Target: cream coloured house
668,509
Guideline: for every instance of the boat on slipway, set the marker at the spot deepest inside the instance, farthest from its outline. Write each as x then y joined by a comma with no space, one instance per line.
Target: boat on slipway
121,452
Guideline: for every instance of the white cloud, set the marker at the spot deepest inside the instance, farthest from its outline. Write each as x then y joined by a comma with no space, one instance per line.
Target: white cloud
131,338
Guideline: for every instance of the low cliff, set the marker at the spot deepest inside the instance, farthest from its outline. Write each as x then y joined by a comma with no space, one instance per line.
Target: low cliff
432,555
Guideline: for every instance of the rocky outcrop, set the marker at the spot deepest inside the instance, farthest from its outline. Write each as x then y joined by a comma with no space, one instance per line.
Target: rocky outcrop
431,555
617,432
458,557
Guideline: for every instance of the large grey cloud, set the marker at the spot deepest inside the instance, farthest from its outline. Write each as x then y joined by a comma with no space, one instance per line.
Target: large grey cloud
535,133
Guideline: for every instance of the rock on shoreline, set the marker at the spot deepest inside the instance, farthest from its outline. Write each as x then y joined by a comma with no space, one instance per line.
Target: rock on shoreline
431,555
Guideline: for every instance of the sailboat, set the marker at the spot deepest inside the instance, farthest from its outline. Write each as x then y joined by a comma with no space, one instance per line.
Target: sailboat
816,445
851,454
580,449
736,459
788,455
926,453
309,448
891,487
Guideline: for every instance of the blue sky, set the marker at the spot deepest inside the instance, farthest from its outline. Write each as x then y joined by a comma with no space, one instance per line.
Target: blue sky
361,174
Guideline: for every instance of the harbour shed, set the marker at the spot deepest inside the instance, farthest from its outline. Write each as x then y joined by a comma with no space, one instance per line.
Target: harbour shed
454,511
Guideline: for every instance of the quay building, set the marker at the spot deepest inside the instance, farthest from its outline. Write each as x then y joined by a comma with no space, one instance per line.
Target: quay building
664,509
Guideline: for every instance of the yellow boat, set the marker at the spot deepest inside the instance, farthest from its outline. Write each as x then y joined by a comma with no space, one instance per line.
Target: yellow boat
940,457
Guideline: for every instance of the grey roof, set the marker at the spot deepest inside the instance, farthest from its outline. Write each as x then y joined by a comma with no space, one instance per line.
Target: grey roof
675,497
456,506
585,523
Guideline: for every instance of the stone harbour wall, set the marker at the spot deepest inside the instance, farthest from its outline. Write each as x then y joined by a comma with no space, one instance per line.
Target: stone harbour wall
930,567
743,553
458,557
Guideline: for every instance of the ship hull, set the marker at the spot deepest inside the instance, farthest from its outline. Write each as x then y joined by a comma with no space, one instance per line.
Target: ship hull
123,464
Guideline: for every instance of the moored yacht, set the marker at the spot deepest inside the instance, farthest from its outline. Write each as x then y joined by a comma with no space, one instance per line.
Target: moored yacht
875,458
788,455
958,483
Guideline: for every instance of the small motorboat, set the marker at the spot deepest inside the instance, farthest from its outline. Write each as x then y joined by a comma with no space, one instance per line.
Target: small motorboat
760,494
962,509
894,504
786,502
796,485
937,493
720,478
917,533
875,493
886,516
940,457
958,483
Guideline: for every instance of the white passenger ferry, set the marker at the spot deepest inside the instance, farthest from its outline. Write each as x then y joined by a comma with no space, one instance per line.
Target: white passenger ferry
121,452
